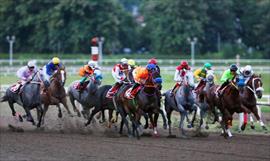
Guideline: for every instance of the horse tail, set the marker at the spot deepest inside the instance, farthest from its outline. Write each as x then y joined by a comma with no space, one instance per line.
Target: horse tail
4,98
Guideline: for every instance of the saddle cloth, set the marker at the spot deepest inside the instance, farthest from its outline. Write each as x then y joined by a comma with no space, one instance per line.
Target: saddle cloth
77,85
14,88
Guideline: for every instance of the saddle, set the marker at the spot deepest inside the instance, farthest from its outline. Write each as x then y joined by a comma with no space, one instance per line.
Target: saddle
79,87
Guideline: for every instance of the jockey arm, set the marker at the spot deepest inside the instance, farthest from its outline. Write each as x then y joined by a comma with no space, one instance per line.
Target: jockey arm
119,74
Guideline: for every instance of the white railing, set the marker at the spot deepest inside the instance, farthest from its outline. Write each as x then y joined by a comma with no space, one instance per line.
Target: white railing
71,70
143,61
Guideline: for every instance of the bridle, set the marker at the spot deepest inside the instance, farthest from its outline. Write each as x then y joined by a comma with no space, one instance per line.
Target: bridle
253,88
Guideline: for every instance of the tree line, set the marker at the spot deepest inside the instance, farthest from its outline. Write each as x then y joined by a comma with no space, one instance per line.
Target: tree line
227,27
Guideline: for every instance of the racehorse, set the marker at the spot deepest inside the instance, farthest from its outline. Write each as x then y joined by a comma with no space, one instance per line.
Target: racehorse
182,102
88,97
102,103
56,93
146,101
249,95
201,99
28,97
230,103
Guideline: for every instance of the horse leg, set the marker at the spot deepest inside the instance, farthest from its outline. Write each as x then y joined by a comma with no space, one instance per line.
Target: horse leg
96,110
164,119
14,113
146,120
110,118
155,124
72,101
252,126
40,111
181,124
64,102
59,111
46,106
256,110
29,116
169,111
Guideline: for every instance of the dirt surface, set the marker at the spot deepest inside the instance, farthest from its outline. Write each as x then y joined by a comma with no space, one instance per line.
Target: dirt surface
66,139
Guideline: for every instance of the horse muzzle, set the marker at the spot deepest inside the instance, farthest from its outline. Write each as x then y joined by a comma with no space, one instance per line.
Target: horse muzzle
259,92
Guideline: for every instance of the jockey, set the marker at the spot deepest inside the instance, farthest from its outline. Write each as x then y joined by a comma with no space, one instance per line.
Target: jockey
226,77
25,73
118,73
140,75
182,71
200,74
86,71
50,68
154,61
131,67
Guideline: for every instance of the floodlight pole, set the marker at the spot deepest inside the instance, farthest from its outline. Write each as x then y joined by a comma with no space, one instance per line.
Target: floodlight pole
11,40
192,42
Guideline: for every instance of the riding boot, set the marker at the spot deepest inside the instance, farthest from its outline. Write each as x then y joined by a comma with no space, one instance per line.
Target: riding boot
176,86
113,90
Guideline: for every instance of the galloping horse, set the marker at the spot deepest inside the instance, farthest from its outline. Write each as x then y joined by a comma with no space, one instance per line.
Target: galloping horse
146,101
102,103
56,93
248,95
183,102
28,98
88,97
201,99
230,103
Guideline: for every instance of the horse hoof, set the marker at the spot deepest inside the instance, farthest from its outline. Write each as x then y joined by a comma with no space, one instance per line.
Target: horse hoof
252,127
184,136
60,115
145,126
243,127
165,127
86,124
206,127
79,115
20,118
189,126
264,128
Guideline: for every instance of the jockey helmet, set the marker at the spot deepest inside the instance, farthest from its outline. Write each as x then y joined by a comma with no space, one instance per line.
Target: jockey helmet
131,62
152,61
31,64
233,67
143,73
124,61
247,70
207,66
55,60
151,66
92,64
184,64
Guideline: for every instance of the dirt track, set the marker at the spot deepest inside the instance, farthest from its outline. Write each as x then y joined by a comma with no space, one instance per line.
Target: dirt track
76,143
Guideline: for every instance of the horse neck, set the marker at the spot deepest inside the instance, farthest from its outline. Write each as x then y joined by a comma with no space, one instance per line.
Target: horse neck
92,86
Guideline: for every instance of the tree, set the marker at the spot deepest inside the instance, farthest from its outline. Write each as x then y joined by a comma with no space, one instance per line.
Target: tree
171,22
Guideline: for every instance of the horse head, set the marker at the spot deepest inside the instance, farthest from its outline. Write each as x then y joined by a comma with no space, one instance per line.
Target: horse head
210,79
150,86
254,84
59,77
94,82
